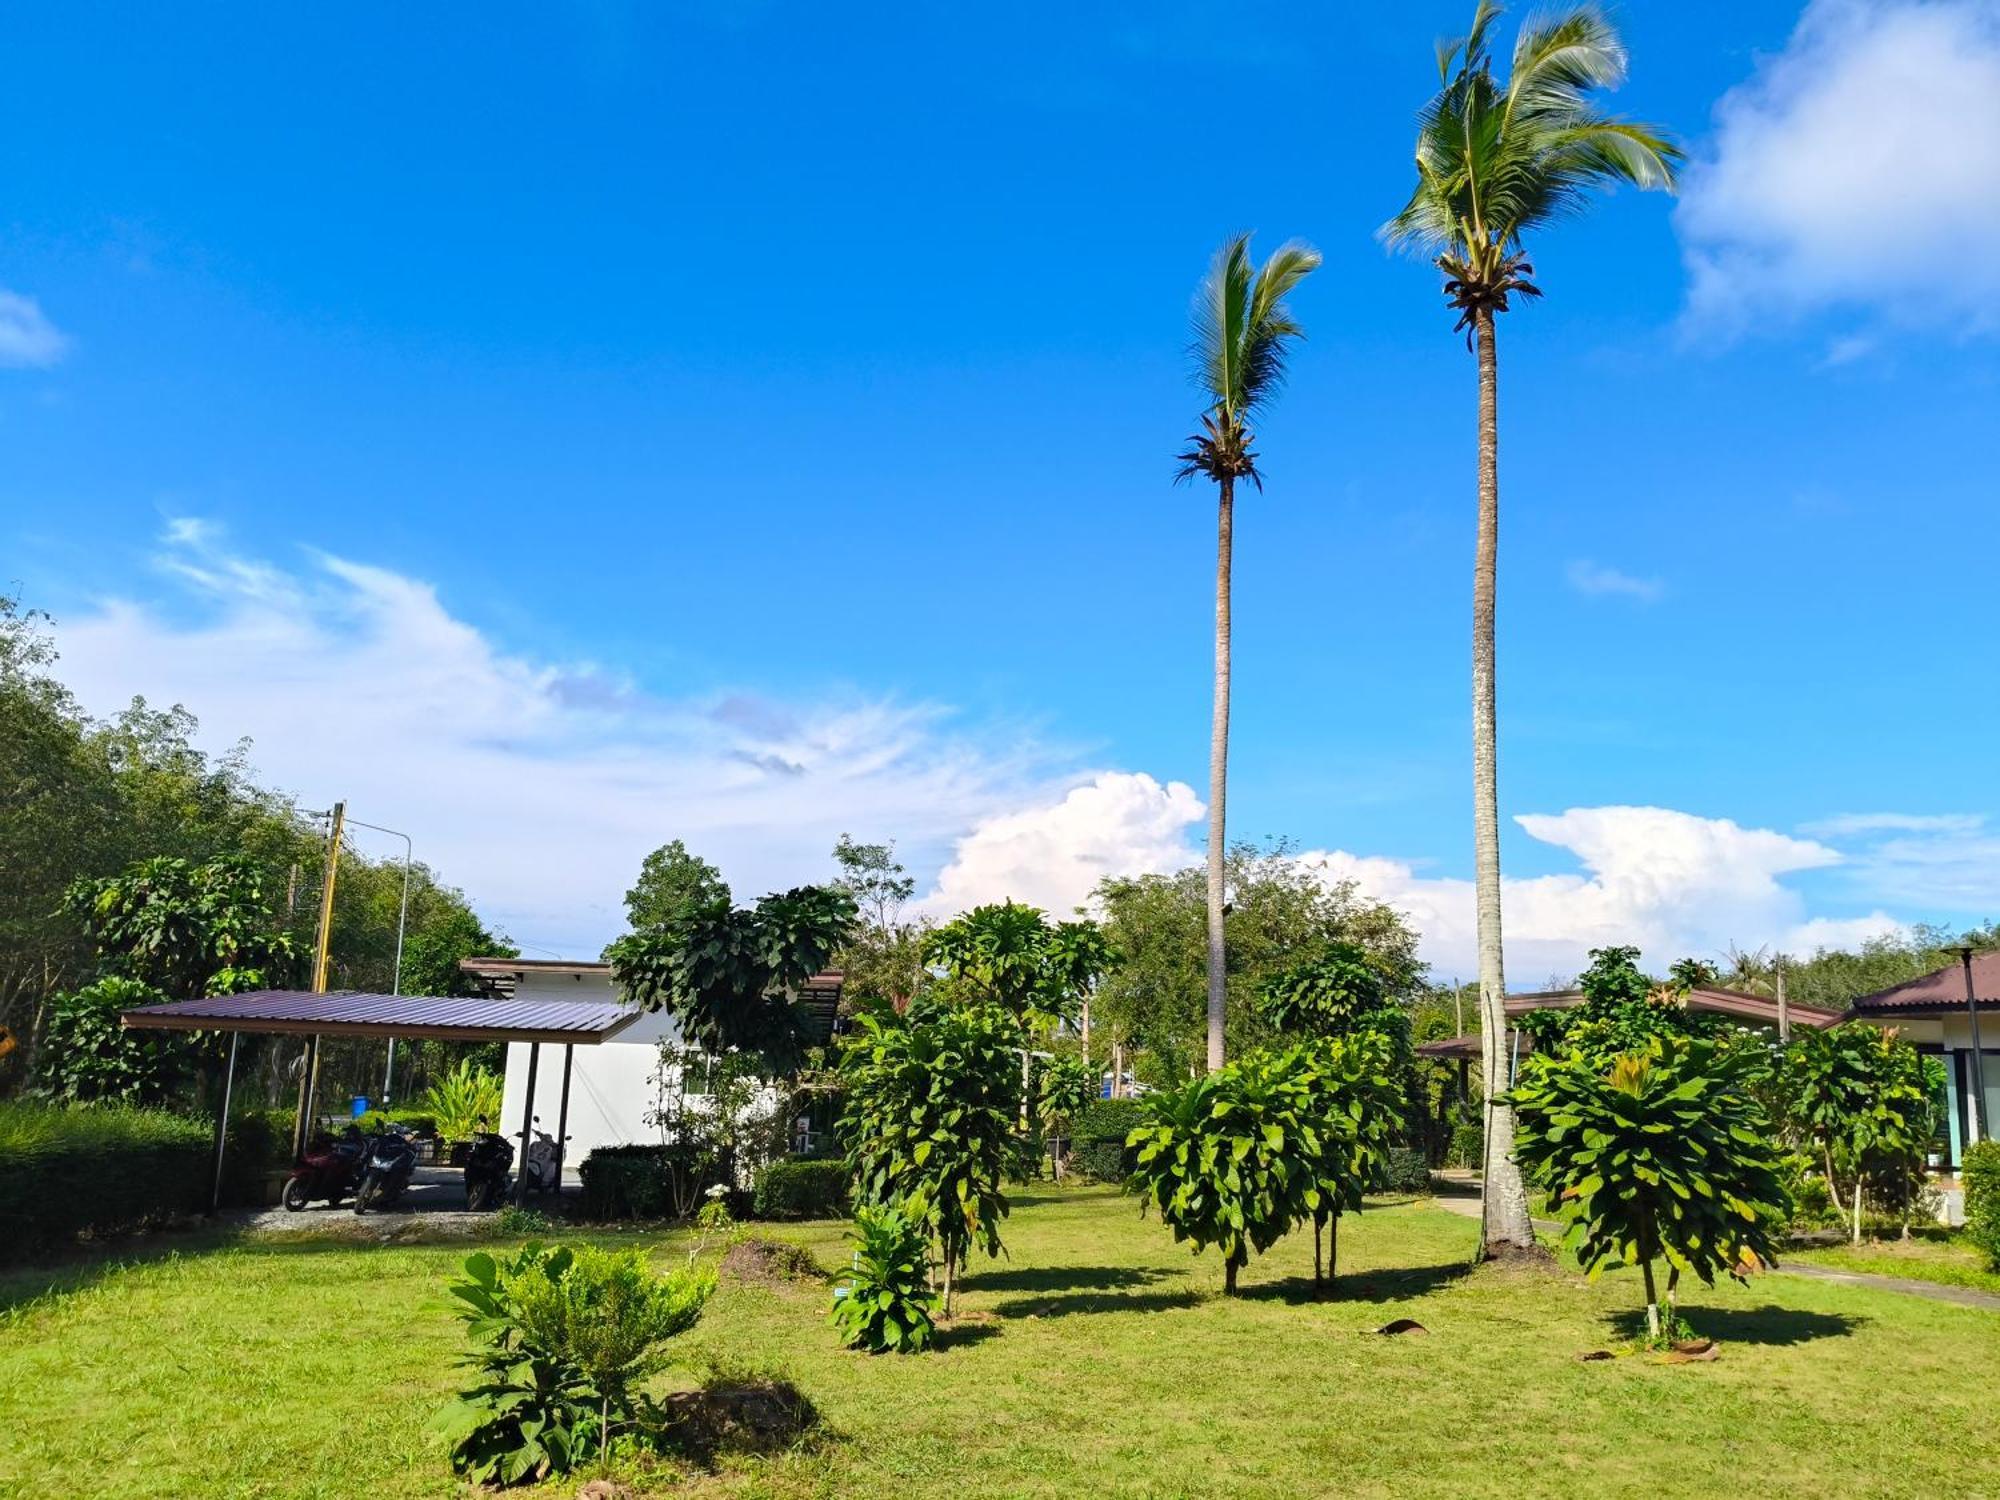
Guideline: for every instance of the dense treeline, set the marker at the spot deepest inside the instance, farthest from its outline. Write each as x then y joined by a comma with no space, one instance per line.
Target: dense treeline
84,799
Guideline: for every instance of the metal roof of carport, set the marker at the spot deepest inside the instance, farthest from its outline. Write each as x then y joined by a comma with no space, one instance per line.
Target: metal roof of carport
355,1013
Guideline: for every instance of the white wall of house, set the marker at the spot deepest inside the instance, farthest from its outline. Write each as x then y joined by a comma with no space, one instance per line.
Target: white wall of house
611,1084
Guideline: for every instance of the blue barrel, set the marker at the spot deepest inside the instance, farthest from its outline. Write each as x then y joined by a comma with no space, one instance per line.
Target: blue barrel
359,1106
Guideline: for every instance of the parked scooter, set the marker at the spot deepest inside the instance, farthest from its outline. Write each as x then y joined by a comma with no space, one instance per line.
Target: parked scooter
543,1165
486,1165
328,1169
387,1167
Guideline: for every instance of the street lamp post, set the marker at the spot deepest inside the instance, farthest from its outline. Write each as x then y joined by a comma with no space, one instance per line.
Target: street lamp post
402,922
1982,1128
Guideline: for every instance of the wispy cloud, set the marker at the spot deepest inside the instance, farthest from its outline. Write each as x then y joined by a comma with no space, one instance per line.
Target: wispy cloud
1598,581
1848,825
27,338
1858,167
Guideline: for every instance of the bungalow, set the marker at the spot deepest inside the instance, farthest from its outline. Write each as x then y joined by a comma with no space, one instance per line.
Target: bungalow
1937,1013
613,1087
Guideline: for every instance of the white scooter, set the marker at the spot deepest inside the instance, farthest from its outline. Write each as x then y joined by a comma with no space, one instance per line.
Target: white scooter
542,1166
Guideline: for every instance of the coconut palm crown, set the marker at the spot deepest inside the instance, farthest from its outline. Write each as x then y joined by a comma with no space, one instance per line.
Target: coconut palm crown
1495,161
1242,328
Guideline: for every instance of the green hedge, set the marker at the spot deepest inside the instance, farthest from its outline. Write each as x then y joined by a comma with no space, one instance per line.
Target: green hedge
260,1143
96,1170
1980,1173
1098,1148
1405,1171
1468,1145
798,1188
421,1121
639,1182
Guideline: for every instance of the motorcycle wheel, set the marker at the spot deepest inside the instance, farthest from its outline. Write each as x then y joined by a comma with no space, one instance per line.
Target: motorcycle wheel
365,1194
295,1194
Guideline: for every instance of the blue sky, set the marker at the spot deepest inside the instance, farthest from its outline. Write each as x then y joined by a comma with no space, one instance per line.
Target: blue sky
562,428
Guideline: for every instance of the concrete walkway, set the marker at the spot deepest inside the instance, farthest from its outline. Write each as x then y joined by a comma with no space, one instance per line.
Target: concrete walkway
1460,1195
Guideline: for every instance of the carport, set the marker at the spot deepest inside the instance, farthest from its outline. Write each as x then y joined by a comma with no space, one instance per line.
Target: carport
384,1018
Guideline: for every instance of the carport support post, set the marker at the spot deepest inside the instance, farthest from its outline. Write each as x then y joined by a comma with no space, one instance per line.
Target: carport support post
306,1066
527,1122
562,1117
222,1121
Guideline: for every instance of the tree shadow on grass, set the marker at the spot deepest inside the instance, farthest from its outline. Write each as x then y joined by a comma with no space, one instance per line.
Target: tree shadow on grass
1063,1278
1072,1303
1769,1324
1387,1284
960,1335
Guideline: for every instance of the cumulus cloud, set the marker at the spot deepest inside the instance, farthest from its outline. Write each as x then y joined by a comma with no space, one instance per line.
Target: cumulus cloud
1859,167
1597,581
1053,854
27,338
1670,882
536,785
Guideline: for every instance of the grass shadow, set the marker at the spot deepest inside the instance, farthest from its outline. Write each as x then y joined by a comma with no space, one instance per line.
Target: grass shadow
958,1335
1070,1304
1769,1324
739,1412
1387,1284
1064,1279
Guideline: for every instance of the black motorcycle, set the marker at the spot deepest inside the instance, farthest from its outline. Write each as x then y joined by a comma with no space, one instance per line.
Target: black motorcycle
486,1165
387,1165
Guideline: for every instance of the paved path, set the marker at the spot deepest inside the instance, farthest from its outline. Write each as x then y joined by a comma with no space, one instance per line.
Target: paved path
1458,1200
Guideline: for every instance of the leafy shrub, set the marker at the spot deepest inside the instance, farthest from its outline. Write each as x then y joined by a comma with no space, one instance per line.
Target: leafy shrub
87,1057
644,1182
1404,1170
260,1143
517,1221
801,1189
417,1121
932,1101
1468,1145
459,1100
1980,1172
1025,1154
883,1303
98,1170
561,1339
1098,1149
1664,1154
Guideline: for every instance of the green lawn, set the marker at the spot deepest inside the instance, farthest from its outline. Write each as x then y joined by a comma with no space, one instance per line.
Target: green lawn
1099,1360
1950,1260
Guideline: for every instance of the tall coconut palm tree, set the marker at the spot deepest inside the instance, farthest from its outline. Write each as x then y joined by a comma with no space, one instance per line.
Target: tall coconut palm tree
1242,332
1495,161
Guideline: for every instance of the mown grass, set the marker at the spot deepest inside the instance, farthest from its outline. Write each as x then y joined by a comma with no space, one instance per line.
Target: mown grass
1948,1260
1099,1359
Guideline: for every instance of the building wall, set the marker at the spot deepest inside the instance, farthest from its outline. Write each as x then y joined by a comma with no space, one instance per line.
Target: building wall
1951,1034
611,1084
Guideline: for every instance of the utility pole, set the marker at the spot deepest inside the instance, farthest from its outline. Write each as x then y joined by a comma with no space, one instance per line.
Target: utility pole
1784,1009
402,922
309,1074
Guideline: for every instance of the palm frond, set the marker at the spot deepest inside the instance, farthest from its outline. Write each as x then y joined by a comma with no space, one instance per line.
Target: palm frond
1558,59
1221,310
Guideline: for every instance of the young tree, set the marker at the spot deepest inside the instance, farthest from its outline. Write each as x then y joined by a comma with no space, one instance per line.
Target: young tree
932,1096
1012,956
1496,161
1664,1154
1859,1098
1242,334
730,976
883,958
673,884
188,930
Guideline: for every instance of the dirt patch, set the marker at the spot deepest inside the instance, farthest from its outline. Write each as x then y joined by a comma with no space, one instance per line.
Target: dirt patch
771,1263
1526,1258
738,1414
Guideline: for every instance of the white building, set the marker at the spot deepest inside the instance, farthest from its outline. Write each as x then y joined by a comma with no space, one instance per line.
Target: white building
613,1087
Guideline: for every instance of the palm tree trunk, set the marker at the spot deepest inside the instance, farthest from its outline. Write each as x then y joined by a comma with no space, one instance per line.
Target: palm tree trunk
1504,1221
1218,763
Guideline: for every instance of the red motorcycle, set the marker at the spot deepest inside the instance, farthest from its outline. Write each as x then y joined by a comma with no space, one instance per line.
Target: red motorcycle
329,1170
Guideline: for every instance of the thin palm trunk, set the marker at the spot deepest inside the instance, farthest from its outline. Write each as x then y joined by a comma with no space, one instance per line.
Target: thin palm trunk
1218,764
1504,1217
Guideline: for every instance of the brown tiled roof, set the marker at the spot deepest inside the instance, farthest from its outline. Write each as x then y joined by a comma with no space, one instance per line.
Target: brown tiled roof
353,1013
1942,989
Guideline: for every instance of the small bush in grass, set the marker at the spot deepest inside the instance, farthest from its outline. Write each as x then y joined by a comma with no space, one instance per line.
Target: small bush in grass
1980,1173
1098,1148
883,1303
97,1169
798,1188
1468,1145
642,1182
1405,1171
562,1338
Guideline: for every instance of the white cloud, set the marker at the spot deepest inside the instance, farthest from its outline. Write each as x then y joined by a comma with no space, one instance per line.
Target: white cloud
1672,883
1935,863
1858,167
1847,825
27,337
1597,581
1053,854
537,786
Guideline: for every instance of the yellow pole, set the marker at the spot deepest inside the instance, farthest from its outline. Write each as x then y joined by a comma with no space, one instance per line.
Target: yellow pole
326,899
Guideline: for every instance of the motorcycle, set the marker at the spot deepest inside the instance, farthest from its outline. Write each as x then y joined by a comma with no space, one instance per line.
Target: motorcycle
387,1167
328,1169
486,1165
543,1164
